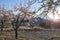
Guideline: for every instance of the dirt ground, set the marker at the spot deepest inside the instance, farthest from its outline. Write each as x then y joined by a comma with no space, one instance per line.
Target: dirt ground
9,34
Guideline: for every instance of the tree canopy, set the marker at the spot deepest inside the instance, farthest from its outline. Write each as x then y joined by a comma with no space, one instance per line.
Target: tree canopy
49,5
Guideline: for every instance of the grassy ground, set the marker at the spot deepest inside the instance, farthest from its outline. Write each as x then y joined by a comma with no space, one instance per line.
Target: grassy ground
9,34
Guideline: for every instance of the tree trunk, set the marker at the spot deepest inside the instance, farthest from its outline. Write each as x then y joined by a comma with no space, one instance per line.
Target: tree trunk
1,25
16,33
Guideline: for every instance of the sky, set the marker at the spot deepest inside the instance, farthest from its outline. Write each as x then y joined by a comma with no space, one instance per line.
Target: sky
10,3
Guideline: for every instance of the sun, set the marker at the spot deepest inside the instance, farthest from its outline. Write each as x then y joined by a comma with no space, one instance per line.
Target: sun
54,17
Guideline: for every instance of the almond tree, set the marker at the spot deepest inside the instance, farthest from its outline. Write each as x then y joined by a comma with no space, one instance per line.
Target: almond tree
48,6
5,16
24,12
3,11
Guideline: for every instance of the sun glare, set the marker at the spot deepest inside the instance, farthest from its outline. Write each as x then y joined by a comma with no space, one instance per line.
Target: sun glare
54,17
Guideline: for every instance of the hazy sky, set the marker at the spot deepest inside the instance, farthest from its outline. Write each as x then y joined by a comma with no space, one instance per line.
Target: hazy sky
10,3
